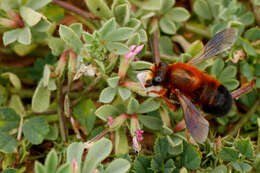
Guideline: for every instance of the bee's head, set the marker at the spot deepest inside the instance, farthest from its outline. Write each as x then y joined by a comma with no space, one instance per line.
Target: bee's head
157,75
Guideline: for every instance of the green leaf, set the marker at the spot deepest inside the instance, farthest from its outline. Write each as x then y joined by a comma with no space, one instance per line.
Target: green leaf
195,48
7,143
84,112
245,147
228,73
70,37
118,166
38,167
217,68
10,4
106,111
165,45
134,23
121,142
97,153
41,98
107,95
8,119
13,79
190,157
248,47
120,34
202,9
118,48
151,122
143,35
65,168
99,8
133,40
167,25
17,105
148,105
107,27
246,70
52,134
220,169
151,5
166,5
161,147
122,13
124,93
241,166
248,18
57,45
75,151
37,4
25,36
132,106
35,130
228,154
77,28
113,81
257,162
175,145
142,164
178,14
30,16
11,36
231,84
53,12
253,34
169,166
51,162
3,95
157,163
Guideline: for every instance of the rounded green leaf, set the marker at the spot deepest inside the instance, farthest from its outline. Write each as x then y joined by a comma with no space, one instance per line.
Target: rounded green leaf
41,98
99,8
25,36
132,106
30,16
9,119
165,45
190,157
245,147
228,154
248,18
202,9
122,13
151,122
241,166
108,27
217,68
120,34
97,153
53,133
118,166
167,25
84,112
253,34
106,111
228,73
13,79
116,47
178,14
35,130
121,142
107,95
166,5
11,36
148,105
113,81
231,84
75,151
7,143
220,169
124,93
65,168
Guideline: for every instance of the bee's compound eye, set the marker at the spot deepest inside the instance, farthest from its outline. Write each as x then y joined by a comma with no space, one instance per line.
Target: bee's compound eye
157,80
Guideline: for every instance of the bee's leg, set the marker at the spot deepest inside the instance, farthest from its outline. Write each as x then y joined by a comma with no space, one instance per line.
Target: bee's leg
243,89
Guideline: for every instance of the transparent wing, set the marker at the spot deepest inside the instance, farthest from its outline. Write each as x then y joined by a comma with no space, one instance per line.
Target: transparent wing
219,43
196,124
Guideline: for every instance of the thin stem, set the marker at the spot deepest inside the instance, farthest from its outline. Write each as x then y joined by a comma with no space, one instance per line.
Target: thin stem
243,120
61,112
74,9
197,30
95,139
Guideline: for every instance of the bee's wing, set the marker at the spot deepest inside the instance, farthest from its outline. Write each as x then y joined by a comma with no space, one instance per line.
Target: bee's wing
219,43
196,124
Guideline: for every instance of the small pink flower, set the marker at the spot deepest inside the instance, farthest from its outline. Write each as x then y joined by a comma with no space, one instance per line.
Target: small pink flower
136,145
133,51
138,134
110,121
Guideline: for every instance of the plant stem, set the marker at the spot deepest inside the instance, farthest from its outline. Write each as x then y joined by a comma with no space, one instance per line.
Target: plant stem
74,9
61,112
197,30
243,120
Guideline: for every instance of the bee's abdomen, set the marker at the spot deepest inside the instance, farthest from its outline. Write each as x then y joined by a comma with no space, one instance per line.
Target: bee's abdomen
221,102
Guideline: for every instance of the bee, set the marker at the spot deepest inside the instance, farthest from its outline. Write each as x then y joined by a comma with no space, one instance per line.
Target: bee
189,85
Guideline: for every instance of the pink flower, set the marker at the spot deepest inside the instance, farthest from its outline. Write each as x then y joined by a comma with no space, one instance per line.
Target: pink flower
138,134
110,121
133,51
74,166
